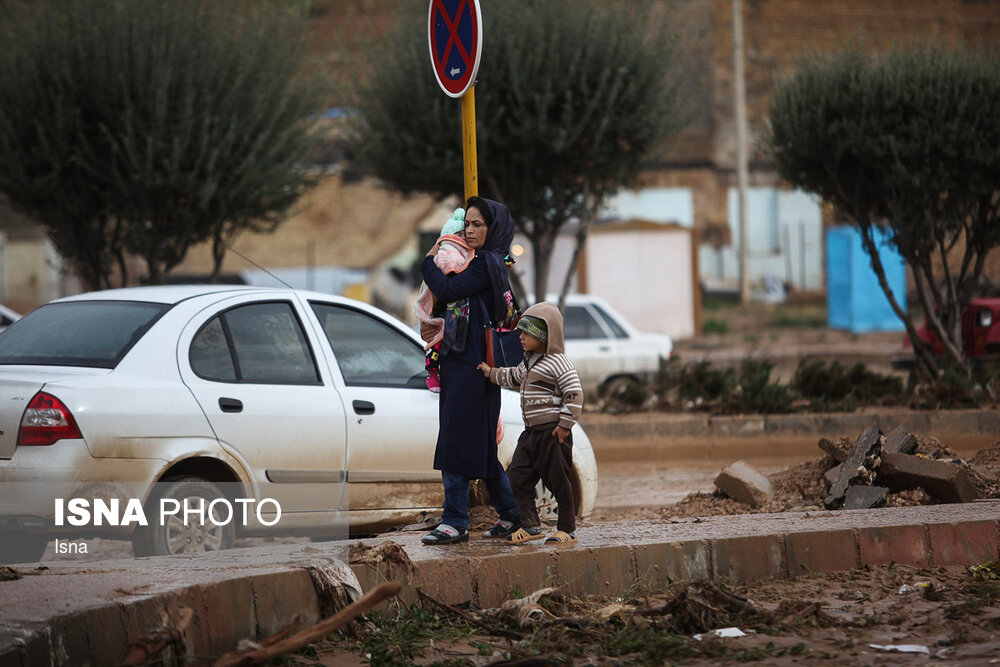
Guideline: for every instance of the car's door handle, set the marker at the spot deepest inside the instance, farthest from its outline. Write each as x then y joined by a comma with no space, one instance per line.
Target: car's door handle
230,404
604,348
364,408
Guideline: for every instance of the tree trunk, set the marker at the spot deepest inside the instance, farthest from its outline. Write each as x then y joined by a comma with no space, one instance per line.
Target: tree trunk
926,364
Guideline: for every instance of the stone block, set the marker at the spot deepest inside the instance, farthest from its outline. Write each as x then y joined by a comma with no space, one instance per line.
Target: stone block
862,497
899,441
227,609
106,635
948,482
820,551
741,482
965,543
894,544
446,580
659,565
834,449
831,475
742,559
280,597
497,577
605,571
866,444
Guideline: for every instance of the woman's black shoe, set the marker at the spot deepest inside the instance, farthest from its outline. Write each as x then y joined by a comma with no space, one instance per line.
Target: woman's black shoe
438,536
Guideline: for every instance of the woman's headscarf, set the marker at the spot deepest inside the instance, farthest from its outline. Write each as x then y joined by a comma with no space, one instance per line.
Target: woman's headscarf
496,253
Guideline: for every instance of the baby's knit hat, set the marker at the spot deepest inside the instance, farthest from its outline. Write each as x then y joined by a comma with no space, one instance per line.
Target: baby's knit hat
534,326
455,224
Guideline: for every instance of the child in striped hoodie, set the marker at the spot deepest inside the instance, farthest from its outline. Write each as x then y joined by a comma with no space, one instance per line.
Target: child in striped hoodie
551,402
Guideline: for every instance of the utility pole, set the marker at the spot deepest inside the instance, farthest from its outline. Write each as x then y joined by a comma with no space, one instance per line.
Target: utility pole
740,115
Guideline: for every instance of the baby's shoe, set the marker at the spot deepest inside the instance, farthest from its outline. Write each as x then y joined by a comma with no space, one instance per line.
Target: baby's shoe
433,384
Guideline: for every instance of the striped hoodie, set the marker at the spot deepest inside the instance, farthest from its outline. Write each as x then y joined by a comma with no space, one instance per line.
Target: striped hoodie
550,387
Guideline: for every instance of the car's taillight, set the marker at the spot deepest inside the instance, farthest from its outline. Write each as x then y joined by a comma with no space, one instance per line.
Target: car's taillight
46,420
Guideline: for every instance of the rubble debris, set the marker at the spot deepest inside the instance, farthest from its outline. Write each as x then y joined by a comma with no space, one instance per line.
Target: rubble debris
741,482
862,497
701,606
7,573
383,552
831,475
270,650
859,462
526,611
946,481
837,450
170,632
335,582
471,618
899,441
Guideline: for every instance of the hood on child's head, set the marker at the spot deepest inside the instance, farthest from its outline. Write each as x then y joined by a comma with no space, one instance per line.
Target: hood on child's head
549,313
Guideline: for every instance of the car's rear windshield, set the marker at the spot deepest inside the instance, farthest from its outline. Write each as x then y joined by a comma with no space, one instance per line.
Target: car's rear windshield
78,333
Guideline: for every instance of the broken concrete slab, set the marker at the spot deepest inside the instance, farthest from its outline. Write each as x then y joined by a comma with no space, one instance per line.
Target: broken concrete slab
835,449
899,441
743,483
948,482
862,497
853,467
831,475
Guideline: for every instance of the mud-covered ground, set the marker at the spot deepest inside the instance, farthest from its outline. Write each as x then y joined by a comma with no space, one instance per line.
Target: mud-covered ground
892,615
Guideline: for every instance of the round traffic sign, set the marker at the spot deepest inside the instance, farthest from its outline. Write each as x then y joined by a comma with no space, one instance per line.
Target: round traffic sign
455,38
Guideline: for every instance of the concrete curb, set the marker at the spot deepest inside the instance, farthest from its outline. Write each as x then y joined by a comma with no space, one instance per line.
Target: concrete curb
621,437
251,593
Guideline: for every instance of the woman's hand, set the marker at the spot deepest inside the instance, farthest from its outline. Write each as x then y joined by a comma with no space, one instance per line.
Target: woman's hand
434,249
485,369
560,432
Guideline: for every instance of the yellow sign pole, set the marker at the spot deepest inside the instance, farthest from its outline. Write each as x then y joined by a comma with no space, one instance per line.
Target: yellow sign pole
469,142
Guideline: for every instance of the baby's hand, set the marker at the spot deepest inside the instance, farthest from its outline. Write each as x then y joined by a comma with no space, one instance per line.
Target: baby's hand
485,369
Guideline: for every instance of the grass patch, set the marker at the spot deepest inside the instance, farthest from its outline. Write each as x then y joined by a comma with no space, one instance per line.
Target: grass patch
714,326
831,387
798,319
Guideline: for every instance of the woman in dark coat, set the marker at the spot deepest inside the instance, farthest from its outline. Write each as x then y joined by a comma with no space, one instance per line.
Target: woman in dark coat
470,405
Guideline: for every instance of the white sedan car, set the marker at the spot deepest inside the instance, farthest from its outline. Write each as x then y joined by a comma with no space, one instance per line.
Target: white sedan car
144,403
605,348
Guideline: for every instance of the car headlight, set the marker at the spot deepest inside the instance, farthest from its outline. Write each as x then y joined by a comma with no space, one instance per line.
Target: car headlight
985,318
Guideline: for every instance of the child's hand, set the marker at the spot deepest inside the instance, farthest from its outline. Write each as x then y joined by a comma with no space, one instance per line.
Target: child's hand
485,369
560,432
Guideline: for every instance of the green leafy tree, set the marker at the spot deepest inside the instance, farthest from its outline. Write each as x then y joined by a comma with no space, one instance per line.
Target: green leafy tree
572,97
144,127
906,141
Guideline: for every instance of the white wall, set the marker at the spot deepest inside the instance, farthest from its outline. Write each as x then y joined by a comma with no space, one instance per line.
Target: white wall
647,275
786,241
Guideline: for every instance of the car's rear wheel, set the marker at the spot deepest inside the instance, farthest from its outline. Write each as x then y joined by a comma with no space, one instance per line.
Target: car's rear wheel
18,547
171,536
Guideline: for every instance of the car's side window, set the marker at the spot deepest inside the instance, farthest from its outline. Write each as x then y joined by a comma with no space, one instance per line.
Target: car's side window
260,343
370,352
210,356
580,324
616,329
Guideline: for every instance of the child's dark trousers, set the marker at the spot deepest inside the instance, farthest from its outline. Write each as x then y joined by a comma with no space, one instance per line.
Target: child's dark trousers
540,456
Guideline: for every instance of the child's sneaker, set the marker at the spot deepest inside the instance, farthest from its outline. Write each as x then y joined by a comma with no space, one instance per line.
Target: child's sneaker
445,534
502,528
433,384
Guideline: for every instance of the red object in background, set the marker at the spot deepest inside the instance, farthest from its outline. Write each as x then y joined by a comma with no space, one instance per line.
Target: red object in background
980,330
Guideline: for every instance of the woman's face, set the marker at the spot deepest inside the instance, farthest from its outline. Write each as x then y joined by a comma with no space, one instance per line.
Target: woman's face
475,228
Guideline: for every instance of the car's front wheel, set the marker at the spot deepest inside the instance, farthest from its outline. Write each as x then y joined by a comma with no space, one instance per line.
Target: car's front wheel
170,535
18,547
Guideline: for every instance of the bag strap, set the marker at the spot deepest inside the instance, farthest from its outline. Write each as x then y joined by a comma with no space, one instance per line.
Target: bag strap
486,313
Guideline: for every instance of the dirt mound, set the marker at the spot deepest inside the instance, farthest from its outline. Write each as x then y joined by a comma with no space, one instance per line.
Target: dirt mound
802,487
